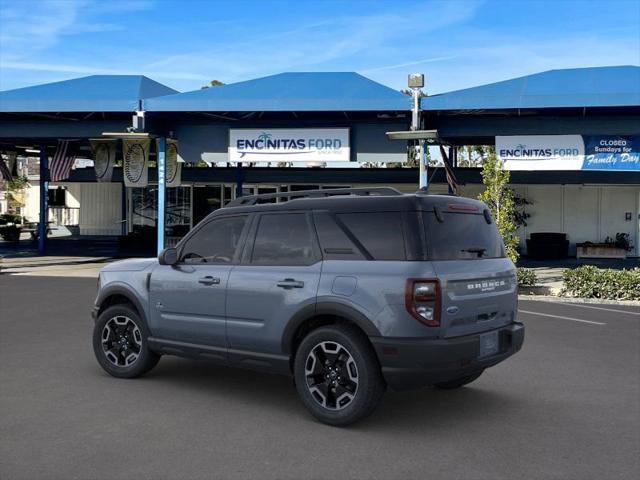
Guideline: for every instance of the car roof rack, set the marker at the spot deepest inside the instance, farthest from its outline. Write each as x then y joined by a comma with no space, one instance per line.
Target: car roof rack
255,199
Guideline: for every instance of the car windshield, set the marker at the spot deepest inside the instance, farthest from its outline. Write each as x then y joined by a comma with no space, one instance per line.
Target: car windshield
462,236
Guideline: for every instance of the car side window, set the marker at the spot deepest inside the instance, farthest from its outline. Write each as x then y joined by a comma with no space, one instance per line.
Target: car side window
381,233
215,242
283,239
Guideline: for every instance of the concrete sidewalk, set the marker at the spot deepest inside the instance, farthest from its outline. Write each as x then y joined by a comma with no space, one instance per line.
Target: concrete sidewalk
54,266
549,281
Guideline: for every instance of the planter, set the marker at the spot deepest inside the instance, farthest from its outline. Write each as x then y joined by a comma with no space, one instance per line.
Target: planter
10,233
599,250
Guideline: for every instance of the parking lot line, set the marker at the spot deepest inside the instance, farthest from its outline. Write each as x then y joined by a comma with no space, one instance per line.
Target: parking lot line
597,308
561,317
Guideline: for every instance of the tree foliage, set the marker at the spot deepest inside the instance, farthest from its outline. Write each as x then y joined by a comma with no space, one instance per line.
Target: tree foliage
500,200
213,83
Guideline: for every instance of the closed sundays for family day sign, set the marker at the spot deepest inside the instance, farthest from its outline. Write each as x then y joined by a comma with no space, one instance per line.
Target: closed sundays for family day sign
289,145
569,152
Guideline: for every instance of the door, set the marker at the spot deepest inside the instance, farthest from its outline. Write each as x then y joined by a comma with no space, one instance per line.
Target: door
278,276
187,300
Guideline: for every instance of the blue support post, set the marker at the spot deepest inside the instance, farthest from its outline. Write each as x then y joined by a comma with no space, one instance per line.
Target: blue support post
44,200
452,154
424,174
162,153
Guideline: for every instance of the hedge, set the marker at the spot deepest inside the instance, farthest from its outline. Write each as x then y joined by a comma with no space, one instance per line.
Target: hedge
588,281
527,277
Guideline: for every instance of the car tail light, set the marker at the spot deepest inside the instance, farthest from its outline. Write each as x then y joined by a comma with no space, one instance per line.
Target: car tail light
422,299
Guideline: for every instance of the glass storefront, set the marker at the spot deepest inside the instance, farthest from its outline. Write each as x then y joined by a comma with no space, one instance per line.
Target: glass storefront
187,205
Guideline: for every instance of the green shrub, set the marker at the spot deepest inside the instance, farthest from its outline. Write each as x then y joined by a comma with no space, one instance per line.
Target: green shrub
592,282
527,277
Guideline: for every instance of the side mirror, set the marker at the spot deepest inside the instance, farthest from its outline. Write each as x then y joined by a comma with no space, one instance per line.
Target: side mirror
168,256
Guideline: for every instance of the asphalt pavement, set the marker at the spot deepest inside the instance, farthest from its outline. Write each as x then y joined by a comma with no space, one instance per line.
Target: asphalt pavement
566,407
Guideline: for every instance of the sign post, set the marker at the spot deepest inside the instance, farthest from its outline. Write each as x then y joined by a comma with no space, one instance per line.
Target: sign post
416,82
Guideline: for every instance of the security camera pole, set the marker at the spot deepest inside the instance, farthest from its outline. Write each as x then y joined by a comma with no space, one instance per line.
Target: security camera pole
416,83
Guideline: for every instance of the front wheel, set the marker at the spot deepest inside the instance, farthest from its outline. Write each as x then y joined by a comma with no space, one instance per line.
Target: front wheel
120,342
458,382
337,375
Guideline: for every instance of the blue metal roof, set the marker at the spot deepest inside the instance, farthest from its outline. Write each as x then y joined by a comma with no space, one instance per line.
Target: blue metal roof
576,87
288,92
96,93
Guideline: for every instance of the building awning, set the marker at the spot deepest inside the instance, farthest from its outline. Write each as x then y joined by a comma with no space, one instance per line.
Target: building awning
288,92
617,86
96,93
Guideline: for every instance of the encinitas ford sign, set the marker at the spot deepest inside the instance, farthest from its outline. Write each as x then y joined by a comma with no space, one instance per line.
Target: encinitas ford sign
569,152
289,145
541,152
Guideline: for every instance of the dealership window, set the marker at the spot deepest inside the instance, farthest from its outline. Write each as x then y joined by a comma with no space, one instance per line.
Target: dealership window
144,210
57,197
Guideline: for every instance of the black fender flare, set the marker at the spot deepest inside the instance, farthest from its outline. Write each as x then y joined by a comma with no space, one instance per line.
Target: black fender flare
125,291
333,308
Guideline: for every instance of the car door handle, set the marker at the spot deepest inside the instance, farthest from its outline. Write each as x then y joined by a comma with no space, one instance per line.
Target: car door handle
209,280
290,283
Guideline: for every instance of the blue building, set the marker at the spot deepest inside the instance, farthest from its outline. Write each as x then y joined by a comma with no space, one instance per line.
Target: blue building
345,116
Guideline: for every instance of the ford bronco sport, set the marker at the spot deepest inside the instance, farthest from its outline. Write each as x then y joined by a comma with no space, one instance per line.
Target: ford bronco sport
350,291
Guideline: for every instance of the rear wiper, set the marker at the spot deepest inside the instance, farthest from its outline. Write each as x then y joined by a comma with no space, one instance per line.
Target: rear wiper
479,250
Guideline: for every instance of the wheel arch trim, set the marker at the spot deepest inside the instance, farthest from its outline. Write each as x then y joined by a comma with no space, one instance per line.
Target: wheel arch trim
331,308
125,291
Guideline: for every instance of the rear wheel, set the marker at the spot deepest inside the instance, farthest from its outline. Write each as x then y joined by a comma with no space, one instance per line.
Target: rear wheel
337,375
459,382
120,342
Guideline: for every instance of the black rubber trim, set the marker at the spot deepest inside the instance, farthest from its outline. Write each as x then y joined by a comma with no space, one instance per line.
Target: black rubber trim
326,308
266,362
123,290
412,363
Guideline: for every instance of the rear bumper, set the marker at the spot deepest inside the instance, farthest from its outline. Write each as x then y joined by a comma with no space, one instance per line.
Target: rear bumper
413,363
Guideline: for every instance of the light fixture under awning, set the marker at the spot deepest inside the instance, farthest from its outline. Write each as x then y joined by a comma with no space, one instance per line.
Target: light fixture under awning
133,135
431,136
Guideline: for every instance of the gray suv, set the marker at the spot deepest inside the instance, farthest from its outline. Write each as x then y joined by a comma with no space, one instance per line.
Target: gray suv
350,291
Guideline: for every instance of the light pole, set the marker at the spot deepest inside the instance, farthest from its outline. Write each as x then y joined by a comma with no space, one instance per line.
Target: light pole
416,83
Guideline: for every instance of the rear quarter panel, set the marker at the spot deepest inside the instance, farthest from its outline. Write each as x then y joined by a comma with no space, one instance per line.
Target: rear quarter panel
377,290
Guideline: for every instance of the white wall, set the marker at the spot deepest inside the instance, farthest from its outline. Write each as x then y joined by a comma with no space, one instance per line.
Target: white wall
583,212
100,208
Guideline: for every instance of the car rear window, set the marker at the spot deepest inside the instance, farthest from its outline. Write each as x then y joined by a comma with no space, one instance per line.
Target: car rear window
462,236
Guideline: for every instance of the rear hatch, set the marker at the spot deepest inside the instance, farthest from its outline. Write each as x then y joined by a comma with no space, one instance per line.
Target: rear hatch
477,281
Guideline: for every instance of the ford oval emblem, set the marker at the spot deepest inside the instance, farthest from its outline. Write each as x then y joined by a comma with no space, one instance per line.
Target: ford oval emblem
452,310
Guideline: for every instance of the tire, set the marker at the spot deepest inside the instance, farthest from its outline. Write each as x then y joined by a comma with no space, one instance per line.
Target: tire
127,336
458,382
348,387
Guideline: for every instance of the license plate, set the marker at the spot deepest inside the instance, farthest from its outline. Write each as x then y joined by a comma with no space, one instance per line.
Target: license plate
489,344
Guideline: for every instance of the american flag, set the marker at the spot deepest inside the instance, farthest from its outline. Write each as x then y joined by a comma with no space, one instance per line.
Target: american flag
62,161
5,172
451,176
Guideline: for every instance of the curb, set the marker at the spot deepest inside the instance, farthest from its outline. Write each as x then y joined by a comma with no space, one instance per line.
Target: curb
539,290
597,301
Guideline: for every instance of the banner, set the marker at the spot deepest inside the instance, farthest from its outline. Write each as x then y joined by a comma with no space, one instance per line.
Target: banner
610,152
289,145
541,152
173,166
135,153
104,157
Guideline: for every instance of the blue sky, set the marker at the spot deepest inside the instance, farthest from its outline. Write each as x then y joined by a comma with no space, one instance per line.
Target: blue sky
184,44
